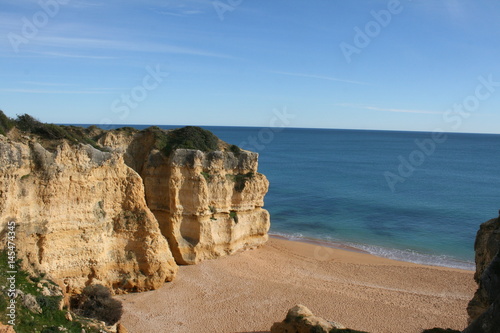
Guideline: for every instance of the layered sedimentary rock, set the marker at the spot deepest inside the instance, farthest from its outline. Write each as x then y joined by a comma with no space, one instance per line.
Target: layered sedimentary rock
208,204
484,308
81,217
119,215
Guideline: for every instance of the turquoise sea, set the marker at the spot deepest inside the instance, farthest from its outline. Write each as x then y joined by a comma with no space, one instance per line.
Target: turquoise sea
335,186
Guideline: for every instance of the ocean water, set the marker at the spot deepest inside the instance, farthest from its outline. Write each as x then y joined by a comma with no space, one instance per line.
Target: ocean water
331,185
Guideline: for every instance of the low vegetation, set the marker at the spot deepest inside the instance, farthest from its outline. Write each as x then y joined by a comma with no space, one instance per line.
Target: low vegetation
37,304
240,180
190,137
49,132
96,302
234,215
6,124
235,149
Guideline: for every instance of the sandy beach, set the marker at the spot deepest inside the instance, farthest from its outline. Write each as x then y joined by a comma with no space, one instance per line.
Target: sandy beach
249,291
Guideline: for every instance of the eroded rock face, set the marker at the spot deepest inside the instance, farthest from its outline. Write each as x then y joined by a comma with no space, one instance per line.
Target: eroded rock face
81,217
489,320
87,216
208,204
484,308
301,320
487,248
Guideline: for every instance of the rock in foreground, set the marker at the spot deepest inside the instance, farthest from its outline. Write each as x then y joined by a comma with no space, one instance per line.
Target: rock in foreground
301,320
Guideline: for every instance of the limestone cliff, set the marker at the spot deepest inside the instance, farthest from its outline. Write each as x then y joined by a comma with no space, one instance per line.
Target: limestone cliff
125,214
81,217
208,204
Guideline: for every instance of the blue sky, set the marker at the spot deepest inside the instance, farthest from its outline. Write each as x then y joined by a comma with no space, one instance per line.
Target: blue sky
398,65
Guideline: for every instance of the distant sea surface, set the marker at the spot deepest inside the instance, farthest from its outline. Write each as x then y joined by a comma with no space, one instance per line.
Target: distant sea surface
330,185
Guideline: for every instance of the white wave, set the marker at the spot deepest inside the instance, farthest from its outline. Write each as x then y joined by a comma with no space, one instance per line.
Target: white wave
389,253
416,257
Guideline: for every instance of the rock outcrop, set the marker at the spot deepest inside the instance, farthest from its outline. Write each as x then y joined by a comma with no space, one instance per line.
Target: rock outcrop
126,214
484,308
301,320
487,276
208,204
81,216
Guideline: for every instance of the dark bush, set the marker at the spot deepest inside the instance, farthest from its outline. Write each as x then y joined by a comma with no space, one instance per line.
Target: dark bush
241,181
48,302
440,330
235,149
27,123
5,123
96,302
191,137
52,132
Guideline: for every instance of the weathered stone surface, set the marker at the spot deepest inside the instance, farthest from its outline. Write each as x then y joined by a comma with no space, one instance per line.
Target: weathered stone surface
489,285
208,204
86,216
487,246
81,217
301,320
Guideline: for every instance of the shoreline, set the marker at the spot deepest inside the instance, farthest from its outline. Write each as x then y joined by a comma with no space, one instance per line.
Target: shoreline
384,252
250,290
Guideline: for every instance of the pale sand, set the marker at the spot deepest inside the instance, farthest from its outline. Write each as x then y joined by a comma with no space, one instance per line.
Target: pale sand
249,291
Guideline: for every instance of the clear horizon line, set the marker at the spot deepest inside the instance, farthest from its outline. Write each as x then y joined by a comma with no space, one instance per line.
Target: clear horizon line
317,128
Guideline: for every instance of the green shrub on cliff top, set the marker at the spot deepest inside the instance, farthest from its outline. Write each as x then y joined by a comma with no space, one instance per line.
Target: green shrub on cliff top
190,137
6,123
50,132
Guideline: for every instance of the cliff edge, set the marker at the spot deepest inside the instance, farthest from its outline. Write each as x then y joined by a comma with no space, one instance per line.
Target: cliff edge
123,207
81,216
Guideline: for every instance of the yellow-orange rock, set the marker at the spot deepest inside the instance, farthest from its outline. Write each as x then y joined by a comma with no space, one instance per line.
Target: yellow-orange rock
208,204
81,217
